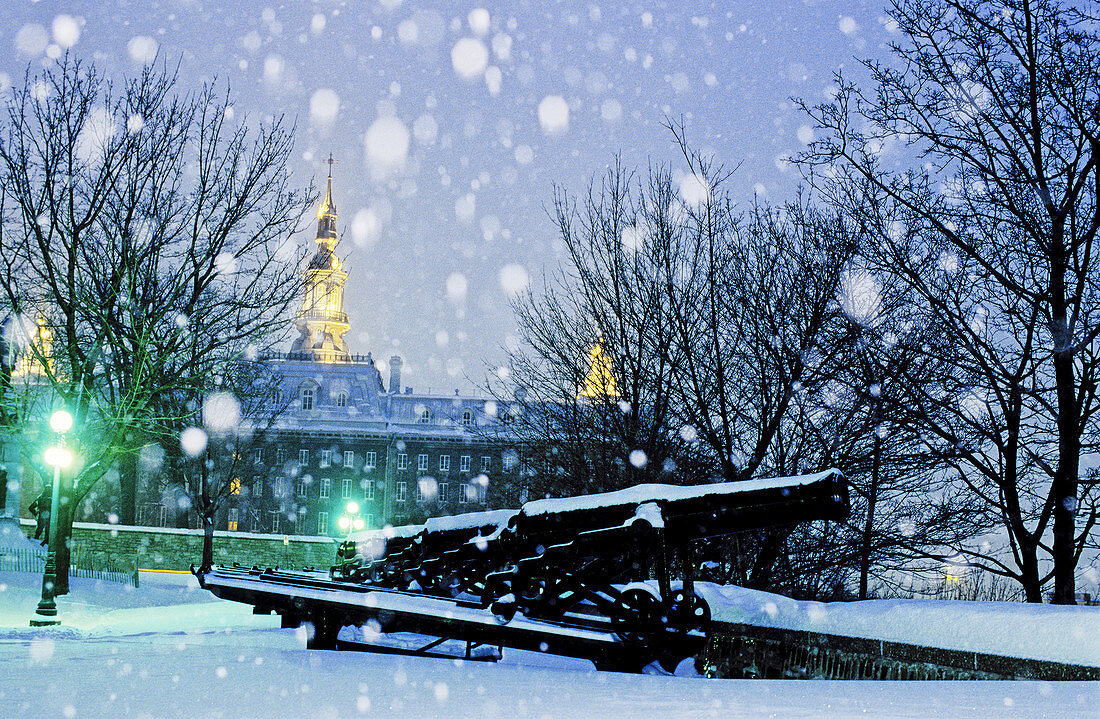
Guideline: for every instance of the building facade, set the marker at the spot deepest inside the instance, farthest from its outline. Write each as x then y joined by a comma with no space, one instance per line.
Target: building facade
343,434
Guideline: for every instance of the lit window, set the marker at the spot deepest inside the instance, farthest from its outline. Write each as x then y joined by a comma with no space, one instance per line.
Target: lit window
307,398
402,461
346,489
233,519
425,416
422,462
370,460
443,492
326,485
349,458
322,523
326,457
444,463
399,493
341,399
234,486
486,464
467,417
303,457
464,463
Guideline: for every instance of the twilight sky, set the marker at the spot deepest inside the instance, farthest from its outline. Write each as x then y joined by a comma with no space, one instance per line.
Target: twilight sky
451,122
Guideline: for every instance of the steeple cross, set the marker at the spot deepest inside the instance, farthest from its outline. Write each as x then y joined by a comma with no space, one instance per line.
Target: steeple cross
330,162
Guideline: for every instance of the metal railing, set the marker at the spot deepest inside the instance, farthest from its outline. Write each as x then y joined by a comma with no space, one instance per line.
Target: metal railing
325,315
316,355
87,565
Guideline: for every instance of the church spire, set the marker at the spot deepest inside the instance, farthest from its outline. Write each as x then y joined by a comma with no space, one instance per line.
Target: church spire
326,214
322,321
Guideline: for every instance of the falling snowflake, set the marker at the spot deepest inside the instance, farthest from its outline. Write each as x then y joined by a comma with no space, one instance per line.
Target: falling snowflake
553,114
469,57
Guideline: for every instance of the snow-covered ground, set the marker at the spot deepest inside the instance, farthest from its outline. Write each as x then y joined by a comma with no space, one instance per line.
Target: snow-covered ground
169,649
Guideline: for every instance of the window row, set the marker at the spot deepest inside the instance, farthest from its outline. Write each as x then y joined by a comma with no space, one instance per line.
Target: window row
347,485
428,491
324,489
424,416
444,463
307,398
329,458
370,459
308,395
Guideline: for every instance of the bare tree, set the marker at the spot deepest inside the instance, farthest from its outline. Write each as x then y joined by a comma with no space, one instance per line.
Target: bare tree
215,460
733,354
146,228
1001,102
595,373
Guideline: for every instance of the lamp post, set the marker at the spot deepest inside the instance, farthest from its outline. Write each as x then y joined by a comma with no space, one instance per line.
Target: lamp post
350,521
56,456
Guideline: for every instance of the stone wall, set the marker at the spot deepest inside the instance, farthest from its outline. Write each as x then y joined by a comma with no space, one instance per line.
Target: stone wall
743,651
178,549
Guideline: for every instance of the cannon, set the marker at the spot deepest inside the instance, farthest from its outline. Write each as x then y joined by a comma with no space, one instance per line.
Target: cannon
606,560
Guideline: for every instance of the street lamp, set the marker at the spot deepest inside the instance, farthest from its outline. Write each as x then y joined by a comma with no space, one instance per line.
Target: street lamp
350,521
57,457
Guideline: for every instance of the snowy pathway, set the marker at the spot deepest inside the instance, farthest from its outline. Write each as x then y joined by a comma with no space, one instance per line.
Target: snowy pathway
165,651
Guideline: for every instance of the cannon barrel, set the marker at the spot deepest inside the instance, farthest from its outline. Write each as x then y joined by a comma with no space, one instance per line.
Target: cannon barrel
686,513
693,512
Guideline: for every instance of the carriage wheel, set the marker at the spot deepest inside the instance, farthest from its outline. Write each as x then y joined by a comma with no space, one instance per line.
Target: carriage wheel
636,615
688,615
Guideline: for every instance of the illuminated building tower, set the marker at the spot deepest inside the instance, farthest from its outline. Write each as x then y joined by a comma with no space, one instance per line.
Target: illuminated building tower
322,321
600,382
37,352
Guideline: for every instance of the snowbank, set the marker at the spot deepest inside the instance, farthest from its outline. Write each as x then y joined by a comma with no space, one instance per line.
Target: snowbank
95,608
1034,631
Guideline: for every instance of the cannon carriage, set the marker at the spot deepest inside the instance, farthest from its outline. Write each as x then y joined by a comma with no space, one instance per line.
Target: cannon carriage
609,577
604,560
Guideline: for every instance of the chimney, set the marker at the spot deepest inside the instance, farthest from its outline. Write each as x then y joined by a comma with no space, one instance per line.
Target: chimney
395,375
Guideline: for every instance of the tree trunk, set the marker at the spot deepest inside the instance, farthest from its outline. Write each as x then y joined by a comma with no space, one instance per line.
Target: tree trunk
868,526
127,489
1027,543
207,542
1064,489
773,541
1029,576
